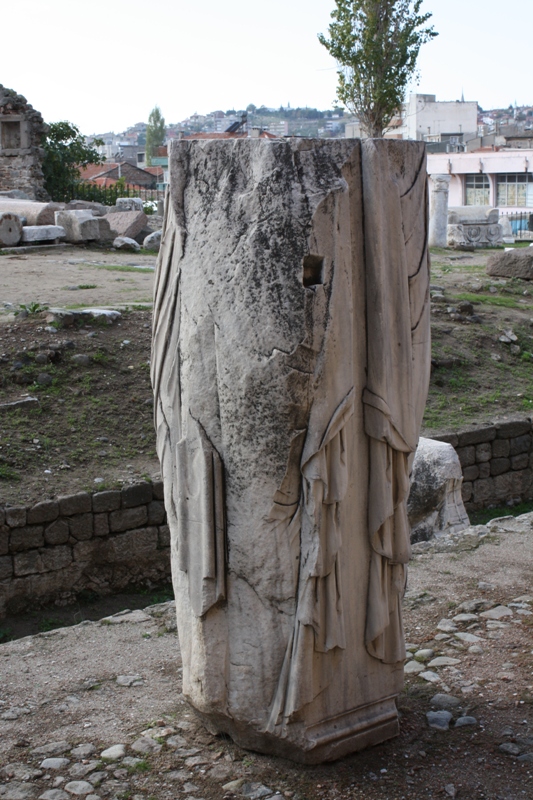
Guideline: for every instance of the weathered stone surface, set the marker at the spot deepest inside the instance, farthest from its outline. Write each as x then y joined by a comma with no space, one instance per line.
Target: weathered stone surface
80,225
56,558
152,241
438,210
57,532
42,233
513,428
81,526
15,516
26,538
129,204
435,504
137,494
512,264
127,519
473,226
106,501
75,503
98,209
10,229
271,410
127,223
27,563
36,214
46,511
125,243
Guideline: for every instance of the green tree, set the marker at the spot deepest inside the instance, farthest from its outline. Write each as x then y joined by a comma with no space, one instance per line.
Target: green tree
65,153
155,133
376,45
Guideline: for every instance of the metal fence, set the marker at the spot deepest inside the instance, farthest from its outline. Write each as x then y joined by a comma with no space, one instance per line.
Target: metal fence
107,195
521,223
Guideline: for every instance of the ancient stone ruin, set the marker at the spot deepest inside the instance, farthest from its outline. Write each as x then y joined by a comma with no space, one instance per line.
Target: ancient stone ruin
290,369
21,154
473,226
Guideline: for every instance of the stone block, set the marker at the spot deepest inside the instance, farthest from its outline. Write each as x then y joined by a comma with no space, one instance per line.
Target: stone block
128,519
57,532
164,536
80,225
100,524
129,204
74,504
501,448
511,264
10,229
81,526
136,495
483,491
15,516
98,209
467,456
127,223
477,436
499,465
145,540
6,567
158,490
46,511
484,469
123,546
36,214
507,486
483,452
4,540
127,244
54,558
520,462
509,430
520,444
152,241
84,551
448,438
27,563
105,233
156,513
26,538
106,501
527,483
2,516
471,473
41,233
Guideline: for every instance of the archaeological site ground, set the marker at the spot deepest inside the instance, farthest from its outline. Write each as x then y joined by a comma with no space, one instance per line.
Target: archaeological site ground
69,694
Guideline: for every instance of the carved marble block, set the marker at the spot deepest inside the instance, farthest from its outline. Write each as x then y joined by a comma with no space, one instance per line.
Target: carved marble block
290,368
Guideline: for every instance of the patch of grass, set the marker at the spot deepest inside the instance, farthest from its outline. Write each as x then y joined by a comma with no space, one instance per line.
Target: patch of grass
5,634
486,514
50,624
8,473
491,300
87,286
121,268
142,766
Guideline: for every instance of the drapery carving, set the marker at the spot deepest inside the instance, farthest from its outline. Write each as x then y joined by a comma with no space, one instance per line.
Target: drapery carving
397,280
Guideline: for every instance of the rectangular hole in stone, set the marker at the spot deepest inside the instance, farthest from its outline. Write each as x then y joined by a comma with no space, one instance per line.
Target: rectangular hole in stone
10,135
313,270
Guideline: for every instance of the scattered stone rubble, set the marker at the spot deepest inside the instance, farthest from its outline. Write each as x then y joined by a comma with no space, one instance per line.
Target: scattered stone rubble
124,226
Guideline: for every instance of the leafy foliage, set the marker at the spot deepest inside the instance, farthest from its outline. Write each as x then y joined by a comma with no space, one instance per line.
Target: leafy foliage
65,153
155,133
376,45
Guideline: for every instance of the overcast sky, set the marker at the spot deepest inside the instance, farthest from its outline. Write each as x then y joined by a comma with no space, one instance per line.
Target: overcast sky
104,64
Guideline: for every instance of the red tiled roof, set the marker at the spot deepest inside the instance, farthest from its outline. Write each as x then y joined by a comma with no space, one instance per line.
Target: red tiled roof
157,171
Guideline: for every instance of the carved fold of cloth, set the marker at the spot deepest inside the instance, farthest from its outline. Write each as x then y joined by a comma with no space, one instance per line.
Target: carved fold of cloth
398,362
319,626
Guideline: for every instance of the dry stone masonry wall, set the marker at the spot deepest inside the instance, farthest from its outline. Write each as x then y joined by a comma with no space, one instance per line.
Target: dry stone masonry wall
21,154
99,542
497,463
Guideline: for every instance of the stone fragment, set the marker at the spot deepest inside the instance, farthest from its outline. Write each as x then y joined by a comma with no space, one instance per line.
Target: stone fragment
447,626
465,617
52,749
265,501
79,226
153,241
126,616
127,224
413,667
82,770
438,210
54,794
114,753
444,661
510,749
35,214
42,233
470,638
130,680
10,229
129,204
145,746
498,613
463,722
425,654
255,791
55,763
79,788
429,676
514,263
125,243
435,504
27,403
445,701
439,720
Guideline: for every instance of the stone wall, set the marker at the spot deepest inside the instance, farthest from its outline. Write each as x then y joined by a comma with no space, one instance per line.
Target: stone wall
497,463
102,542
21,132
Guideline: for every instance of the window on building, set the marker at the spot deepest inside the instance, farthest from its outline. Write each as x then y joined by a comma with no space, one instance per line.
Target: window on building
515,189
477,190
10,135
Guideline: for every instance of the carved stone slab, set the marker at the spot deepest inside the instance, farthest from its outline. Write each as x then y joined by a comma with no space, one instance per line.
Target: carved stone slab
290,369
